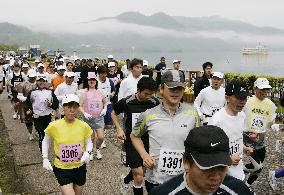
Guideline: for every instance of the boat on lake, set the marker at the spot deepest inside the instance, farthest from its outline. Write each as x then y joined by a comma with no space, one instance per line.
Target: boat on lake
258,50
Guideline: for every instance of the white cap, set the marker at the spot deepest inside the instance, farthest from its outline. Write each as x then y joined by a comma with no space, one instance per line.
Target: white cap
110,56
69,74
70,98
60,67
111,64
40,65
25,66
176,61
32,73
145,63
218,74
262,83
37,61
7,58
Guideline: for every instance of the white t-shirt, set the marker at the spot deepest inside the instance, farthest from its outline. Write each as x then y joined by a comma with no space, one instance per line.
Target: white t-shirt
128,86
62,90
209,101
233,126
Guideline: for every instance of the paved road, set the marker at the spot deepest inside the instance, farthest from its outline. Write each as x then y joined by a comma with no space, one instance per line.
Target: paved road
103,176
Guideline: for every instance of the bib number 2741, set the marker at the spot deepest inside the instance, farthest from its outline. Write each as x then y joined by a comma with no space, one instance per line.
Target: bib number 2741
170,161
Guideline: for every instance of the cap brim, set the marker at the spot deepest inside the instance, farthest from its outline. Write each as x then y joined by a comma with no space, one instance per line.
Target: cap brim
264,87
209,160
242,95
175,84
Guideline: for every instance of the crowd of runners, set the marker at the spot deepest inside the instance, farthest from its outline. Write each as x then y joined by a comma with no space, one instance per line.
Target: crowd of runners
171,147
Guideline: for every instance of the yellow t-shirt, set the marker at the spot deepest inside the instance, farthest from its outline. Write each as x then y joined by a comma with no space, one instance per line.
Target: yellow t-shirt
69,142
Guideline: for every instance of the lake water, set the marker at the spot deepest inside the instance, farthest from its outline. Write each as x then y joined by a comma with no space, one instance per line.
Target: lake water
270,64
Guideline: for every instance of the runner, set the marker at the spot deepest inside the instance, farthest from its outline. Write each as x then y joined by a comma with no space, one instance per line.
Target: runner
211,99
206,160
145,70
205,80
14,80
93,105
231,119
72,147
176,66
59,78
131,107
41,102
107,87
260,115
116,78
128,86
160,67
26,87
67,87
167,125
2,74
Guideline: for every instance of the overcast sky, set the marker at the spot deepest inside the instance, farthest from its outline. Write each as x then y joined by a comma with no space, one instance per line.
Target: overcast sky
32,12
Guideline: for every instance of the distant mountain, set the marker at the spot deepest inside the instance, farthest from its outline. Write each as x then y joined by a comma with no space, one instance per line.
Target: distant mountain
213,23
157,32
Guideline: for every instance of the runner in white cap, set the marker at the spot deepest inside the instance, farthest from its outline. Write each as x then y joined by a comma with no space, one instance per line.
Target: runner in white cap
26,88
67,87
260,115
211,99
72,147
41,102
93,105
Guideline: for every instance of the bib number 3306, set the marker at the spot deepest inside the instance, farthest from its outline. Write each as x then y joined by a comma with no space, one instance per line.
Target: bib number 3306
170,161
69,153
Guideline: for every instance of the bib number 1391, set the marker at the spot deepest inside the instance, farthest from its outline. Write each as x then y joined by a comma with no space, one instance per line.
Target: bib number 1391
170,161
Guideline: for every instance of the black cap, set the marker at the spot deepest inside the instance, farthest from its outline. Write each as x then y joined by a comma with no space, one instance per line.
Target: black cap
208,146
173,78
238,88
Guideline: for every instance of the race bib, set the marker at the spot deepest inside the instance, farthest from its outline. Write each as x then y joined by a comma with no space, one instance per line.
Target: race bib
236,147
94,106
134,118
69,153
258,123
170,161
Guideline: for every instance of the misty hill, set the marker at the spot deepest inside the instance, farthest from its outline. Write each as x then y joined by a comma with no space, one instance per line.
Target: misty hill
158,32
182,23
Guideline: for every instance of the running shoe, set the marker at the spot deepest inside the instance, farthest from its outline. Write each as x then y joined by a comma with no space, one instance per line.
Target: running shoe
15,115
272,180
99,156
103,145
18,116
278,146
124,187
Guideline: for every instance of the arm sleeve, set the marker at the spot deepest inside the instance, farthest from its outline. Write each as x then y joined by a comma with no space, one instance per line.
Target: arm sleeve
121,90
197,103
45,146
57,93
88,145
273,113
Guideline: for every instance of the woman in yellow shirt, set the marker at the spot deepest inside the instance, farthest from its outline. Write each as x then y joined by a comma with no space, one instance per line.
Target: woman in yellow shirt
72,147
